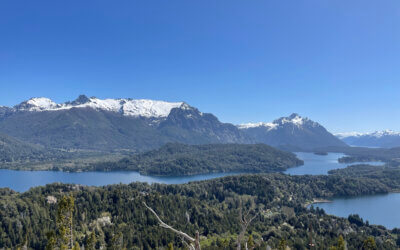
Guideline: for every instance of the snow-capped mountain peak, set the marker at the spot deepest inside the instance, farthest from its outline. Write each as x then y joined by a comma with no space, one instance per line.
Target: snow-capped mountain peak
294,119
258,124
38,104
376,134
128,107
348,134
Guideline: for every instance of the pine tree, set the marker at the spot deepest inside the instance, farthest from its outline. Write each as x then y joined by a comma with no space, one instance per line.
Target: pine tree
51,241
369,244
341,245
250,242
91,242
64,222
282,245
76,246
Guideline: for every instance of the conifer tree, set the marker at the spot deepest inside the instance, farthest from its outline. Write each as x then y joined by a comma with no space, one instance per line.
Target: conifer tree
64,222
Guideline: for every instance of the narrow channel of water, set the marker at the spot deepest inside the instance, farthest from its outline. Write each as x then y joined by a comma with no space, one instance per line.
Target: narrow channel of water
321,164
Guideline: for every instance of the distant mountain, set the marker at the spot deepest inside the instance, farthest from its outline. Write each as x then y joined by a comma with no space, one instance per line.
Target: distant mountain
175,159
113,124
382,139
292,133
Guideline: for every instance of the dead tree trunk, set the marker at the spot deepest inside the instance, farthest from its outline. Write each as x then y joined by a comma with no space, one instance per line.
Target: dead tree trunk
190,242
245,221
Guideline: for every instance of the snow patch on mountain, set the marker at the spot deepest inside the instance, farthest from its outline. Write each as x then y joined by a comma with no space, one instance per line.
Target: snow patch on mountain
41,103
348,134
128,107
258,124
376,134
294,119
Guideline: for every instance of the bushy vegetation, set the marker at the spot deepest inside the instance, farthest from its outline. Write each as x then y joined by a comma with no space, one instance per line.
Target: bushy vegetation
16,151
181,159
115,217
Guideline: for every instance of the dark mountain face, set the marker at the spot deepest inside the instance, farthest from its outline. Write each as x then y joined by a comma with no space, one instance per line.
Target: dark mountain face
4,111
94,128
189,125
292,132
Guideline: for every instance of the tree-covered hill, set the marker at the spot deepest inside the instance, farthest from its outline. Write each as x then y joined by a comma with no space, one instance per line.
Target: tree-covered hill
13,150
118,219
181,159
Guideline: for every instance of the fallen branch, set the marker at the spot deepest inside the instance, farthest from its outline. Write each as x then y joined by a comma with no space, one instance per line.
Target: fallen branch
194,242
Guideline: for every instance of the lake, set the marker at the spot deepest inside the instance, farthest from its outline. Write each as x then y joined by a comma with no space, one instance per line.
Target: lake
321,164
365,206
23,180
377,209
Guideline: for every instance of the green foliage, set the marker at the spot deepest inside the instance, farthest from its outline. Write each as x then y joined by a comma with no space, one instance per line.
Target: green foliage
13,150
250,242
369,244
282,244
64,222
102,215
180,159
91,242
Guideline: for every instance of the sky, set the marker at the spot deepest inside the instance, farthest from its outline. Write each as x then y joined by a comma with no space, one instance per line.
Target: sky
336,62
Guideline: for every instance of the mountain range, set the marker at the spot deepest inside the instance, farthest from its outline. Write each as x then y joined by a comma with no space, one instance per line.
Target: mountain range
381,139
294,133
138,125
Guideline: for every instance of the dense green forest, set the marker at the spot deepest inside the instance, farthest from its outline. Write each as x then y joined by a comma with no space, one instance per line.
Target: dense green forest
13,150
181,159
114,217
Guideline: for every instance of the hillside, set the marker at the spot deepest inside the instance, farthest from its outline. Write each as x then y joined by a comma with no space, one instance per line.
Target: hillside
118,219
293,133
180,159
113,124
16,151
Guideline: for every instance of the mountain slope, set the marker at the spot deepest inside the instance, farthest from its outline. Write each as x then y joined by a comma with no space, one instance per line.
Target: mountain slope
13,150
113,124
180,159
382,139
293,132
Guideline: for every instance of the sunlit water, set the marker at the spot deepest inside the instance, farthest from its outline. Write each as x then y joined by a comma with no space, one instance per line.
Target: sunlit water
321,164
377,209
23,180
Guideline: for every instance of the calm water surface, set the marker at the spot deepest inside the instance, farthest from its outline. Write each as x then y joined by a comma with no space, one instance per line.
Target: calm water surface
23,180
377,209
321,164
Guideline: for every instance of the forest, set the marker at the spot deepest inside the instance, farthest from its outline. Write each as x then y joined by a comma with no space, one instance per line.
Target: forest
175,159
116,216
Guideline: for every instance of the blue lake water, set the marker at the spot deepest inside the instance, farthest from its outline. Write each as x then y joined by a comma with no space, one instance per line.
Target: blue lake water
23,180
366,206
377,209
320,164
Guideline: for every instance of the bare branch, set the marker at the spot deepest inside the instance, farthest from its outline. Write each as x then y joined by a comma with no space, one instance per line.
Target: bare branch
164,225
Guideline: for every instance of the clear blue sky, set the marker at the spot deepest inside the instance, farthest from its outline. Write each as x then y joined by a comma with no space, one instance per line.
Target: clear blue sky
337,62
